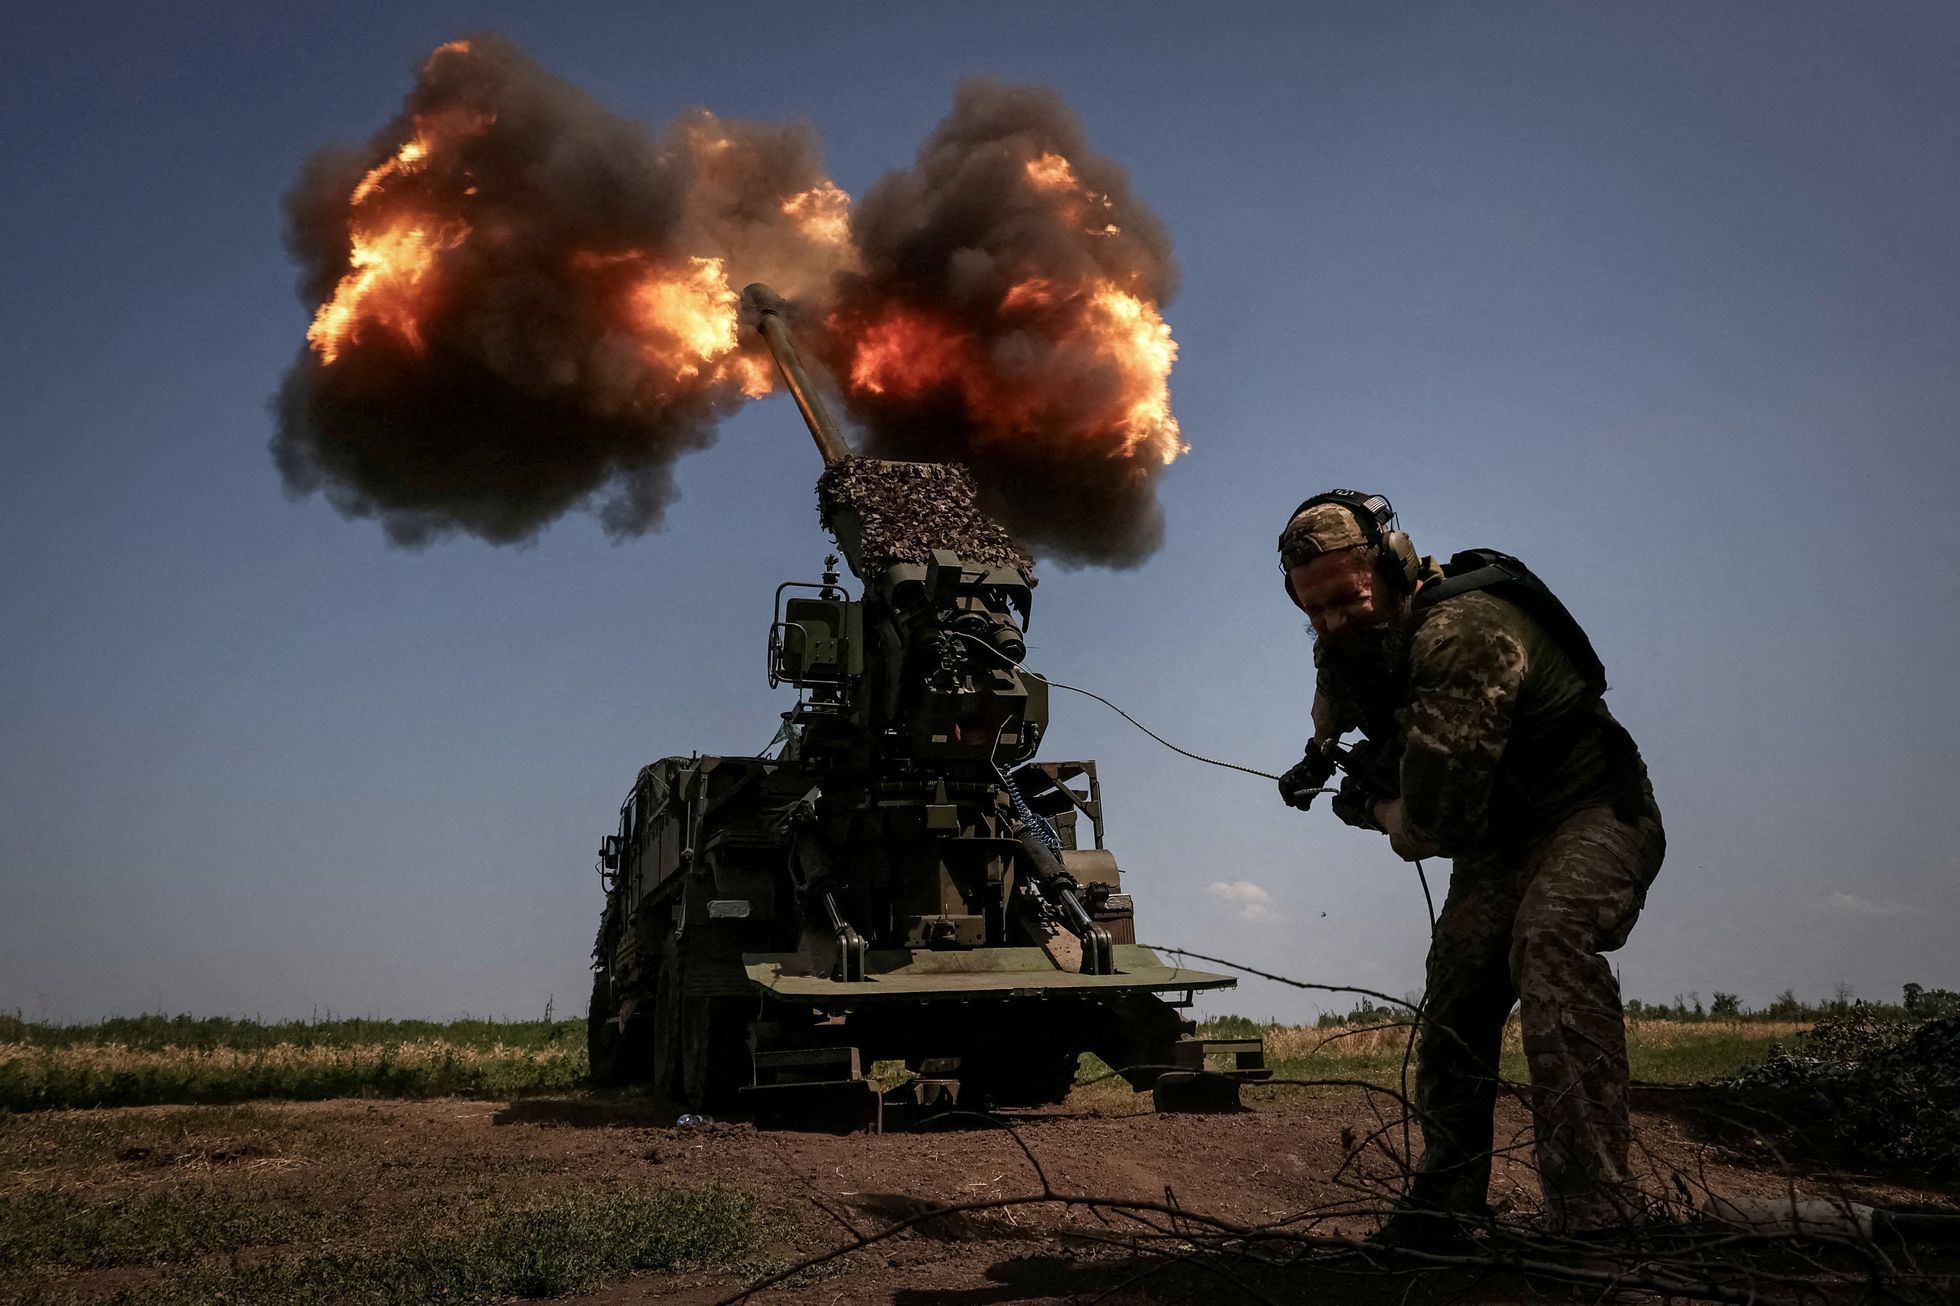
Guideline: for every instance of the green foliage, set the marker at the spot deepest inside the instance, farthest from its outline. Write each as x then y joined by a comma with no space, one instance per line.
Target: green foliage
1365,1012
1873,1088
1930,1004
209,1032
1230,1027
1918,1001
1854,1035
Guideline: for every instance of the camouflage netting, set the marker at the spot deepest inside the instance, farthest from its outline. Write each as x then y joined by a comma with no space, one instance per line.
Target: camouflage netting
1870,1088
910,509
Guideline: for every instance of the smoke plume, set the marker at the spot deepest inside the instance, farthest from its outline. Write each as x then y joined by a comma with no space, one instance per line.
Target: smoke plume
1005,315
525,304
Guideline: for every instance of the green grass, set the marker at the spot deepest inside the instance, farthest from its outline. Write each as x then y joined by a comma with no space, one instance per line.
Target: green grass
48,1141
546,1247
152,1060
1711,1052
81,1229
1667,1052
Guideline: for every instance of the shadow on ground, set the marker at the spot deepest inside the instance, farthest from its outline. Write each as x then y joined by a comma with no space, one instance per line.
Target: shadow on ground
1356,1281
597,1111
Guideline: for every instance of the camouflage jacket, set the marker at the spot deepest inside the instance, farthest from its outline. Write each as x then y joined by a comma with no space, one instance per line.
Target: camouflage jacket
1500,736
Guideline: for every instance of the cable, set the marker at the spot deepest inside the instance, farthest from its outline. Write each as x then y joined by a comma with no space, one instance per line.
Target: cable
1196,757
1428,901
1077,689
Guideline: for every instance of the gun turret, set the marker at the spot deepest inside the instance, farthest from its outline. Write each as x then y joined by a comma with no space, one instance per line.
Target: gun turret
926,664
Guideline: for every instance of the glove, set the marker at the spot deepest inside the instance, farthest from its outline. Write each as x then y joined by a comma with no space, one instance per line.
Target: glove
1297,786
1354,804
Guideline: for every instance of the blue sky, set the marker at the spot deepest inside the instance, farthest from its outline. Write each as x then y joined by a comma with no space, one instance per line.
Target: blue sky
1662,298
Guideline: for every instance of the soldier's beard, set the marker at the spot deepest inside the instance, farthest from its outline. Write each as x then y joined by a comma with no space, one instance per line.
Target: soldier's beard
1374,658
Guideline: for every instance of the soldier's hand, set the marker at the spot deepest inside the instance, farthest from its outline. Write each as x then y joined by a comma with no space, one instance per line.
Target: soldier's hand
1392,817
1306,777
1354,804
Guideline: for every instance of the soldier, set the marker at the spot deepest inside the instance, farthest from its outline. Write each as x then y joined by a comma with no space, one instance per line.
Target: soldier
1487,742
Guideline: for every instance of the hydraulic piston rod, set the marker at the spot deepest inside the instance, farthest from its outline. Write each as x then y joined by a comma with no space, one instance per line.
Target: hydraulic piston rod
769,310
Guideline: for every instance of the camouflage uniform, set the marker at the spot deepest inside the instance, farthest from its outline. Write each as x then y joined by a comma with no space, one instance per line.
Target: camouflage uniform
1515,770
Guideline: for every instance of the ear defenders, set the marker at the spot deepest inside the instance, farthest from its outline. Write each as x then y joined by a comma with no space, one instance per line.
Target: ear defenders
1376,517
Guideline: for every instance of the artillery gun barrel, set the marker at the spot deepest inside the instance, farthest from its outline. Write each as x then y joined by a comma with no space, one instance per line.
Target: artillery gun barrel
769,310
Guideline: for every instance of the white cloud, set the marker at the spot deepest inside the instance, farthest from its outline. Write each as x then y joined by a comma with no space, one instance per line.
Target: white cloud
1852,905
1249,902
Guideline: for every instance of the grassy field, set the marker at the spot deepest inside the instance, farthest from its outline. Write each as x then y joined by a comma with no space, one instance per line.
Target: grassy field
150,1060
1659,1051
154,1060
208,1242
350,1201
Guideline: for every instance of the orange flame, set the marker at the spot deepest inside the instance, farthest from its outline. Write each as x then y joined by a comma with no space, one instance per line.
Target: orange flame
684,317
388,273
1035,292
690,316
1051,171
406,159
908,353
1055,175
687,324
823,212
1135,336
392,255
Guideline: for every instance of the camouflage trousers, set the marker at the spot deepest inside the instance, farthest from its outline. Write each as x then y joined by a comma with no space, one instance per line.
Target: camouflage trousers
1528,925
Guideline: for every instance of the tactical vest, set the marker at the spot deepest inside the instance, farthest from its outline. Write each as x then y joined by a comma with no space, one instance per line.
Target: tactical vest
1507,578
1503,576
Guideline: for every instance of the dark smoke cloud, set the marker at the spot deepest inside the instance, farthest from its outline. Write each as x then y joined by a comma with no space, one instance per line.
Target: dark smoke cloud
950,237
529,395
530,372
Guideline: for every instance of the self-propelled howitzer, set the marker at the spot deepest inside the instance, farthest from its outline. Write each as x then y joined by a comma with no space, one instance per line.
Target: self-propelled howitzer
901,880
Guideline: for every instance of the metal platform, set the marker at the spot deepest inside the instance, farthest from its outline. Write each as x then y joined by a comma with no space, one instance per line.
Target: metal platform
971,973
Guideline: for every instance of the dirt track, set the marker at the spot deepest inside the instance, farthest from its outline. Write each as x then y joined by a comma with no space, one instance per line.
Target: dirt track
368,1158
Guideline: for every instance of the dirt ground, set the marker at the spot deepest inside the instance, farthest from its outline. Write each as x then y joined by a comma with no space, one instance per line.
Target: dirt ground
348,1164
